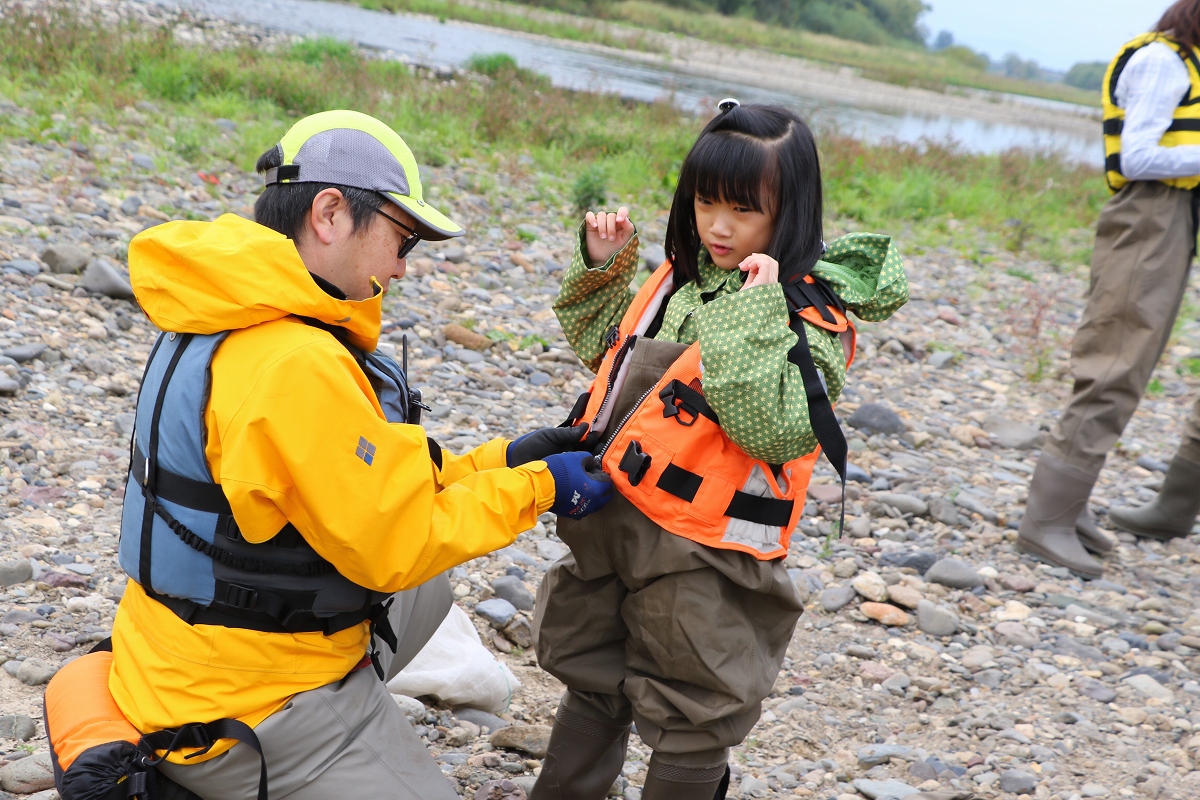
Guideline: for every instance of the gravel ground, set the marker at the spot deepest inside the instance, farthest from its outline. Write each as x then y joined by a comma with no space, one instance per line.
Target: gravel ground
932,655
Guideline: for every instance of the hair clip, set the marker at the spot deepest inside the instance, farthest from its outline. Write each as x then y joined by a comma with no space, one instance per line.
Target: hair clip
824,247
728,104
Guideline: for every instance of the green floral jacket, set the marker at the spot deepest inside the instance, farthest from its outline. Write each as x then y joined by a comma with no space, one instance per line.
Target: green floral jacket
744,336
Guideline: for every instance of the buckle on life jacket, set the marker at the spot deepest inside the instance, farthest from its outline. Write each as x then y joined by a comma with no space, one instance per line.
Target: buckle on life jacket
612,337
635,463
678,396
241,597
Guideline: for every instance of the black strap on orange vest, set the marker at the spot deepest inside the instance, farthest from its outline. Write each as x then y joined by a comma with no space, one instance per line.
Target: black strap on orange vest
820,410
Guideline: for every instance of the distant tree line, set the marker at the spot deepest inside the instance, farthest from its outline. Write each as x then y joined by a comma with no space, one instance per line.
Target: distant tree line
870,21
1084,75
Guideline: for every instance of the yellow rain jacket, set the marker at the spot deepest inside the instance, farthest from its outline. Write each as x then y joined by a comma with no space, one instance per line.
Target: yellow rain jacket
281,390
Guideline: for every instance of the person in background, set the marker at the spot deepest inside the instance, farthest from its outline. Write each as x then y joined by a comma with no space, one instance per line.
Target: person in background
1145,241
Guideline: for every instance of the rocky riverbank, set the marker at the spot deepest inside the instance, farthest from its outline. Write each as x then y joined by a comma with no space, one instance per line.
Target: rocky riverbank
932,655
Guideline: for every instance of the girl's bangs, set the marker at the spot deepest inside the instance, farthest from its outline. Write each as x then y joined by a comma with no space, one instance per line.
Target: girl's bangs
731,169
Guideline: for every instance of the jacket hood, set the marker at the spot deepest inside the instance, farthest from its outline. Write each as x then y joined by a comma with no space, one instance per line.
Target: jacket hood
207,277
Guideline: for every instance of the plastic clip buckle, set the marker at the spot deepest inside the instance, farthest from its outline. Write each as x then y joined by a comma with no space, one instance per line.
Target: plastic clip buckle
635,463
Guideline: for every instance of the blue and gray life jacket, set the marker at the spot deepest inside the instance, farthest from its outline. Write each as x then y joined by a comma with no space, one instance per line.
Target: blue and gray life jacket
181,542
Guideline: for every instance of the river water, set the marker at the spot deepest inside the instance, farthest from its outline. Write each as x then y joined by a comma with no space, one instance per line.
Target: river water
431,43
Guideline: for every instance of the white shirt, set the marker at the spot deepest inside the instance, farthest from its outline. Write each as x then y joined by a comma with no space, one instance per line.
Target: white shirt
1153,82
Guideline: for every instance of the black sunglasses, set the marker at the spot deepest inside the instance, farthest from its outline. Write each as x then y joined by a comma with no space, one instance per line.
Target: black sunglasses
409,242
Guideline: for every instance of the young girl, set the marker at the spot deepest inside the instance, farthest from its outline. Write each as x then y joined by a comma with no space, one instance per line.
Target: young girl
673,609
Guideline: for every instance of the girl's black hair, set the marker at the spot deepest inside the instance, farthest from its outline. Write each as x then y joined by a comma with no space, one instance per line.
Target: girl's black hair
759,156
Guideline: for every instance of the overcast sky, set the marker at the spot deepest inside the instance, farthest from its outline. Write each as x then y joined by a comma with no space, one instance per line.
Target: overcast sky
1055,33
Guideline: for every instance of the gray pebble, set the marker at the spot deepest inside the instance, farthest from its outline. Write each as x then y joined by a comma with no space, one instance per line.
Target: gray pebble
936,620
836,597
497,611
14,572
512,589
1017,782
954,573
876,418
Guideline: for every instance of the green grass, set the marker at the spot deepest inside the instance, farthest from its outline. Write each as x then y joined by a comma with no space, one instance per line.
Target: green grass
904,63
74,75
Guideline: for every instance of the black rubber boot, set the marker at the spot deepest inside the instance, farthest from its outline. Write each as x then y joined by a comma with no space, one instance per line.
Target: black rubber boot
1058,495
583,758
1172,514
669,782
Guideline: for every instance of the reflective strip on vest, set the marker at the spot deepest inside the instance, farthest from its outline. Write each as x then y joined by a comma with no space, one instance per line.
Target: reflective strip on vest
1185,127
189,554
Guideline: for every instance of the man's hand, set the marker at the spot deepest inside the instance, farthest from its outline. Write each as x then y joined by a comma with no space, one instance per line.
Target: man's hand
760,270
606,232
537,445
580,486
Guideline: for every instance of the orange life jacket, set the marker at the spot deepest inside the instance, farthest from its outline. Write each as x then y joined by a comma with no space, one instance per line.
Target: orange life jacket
669,455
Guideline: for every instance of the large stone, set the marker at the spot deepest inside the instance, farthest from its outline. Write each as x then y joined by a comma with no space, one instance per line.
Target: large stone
873,672
550,549
920,560
17,726
1014,633
835,597
14,572
1013,435
65,259
35,672
31,774
497,611
884,613
903,595
1148,687
483,719
1097,690
871,586
25,352
936,620
466,337
874,754
22,265
503,789
876,418
954,573
883,790
904,503
1017,782
512,589
945,512
530,739
101,277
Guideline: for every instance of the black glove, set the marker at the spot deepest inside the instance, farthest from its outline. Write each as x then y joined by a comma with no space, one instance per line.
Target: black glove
537,445
580,486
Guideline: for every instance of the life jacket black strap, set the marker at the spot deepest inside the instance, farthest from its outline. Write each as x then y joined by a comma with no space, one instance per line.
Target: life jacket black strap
150,470
820,410
684,484
259,610
202,735
199,495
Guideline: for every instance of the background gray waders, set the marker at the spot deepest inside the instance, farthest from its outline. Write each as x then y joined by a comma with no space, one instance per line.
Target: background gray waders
1143,252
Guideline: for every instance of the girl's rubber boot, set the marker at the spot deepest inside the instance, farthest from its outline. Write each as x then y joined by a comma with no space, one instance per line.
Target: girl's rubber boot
583,758
1172,514
1058,494
1090,535
669,782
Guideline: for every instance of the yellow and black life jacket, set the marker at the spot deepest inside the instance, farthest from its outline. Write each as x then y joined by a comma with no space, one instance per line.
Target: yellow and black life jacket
1184,130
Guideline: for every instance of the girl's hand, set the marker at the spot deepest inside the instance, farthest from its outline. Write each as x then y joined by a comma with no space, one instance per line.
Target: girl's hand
606,232
760,270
